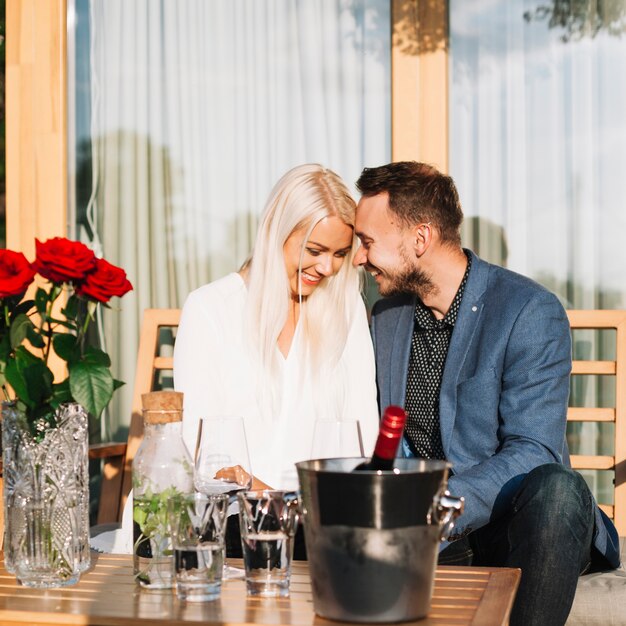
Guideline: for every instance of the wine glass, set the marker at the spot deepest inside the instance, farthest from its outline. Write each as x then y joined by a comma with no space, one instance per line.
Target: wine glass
336,438
222,463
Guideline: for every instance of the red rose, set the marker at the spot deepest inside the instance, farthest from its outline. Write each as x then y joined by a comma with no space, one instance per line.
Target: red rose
104,282
16,273
62,261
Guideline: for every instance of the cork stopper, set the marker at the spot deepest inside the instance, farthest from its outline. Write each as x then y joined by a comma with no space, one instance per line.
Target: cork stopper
162,407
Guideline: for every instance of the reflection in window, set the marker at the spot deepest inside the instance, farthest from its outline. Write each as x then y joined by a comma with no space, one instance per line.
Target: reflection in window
538,139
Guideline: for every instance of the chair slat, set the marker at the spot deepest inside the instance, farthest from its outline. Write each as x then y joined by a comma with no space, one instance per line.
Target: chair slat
117,476
599,320
594,367
592,462
590,414
164,363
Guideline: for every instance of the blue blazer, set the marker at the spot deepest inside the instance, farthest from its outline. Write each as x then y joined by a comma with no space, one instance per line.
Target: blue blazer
504,391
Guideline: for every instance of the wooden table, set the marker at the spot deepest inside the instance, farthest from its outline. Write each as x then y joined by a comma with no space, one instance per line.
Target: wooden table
108,596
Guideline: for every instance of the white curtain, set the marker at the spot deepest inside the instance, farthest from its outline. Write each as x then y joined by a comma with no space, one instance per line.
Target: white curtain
537,148
198,107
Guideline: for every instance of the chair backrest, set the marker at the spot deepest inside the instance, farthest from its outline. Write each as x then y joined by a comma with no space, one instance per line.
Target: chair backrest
150,363
117,478
616,414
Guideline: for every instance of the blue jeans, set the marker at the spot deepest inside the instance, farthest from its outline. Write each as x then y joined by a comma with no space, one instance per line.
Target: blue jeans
547,532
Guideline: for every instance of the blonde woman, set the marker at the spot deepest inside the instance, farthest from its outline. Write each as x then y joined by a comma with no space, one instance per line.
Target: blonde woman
285,340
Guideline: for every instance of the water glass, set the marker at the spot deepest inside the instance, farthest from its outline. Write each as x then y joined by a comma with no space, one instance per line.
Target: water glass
198,524
268,520
222,463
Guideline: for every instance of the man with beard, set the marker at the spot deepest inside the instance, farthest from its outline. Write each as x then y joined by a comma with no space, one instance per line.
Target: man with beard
480,357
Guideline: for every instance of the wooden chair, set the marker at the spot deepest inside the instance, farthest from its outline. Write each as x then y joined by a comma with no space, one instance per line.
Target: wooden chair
118,458
616,415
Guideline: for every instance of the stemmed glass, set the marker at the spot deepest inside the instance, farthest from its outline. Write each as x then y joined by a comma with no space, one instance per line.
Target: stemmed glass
336,438
222,463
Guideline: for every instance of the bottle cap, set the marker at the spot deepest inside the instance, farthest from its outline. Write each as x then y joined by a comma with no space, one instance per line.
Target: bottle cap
162,407
390,433
394,417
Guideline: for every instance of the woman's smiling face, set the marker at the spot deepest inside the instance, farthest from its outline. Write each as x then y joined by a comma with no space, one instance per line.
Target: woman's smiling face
325,251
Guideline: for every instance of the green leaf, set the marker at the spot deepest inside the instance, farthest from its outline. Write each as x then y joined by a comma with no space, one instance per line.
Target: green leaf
117,384
35,338
30,378
38,379
139,516
42,410
19,330
61,393
66,346
22,307
5,348
96,356
23,357
71,307
91,385
63,385
41,300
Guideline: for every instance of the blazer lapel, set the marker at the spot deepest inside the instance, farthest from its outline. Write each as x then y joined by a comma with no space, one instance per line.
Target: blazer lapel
400,353
470,313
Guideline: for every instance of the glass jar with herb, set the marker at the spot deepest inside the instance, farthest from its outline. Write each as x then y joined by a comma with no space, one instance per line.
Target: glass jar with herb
162,471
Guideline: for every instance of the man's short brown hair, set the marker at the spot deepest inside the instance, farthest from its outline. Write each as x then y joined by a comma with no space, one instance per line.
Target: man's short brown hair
418,193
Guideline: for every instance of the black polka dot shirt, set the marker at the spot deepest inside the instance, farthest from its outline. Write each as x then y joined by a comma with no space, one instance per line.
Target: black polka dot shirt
429,348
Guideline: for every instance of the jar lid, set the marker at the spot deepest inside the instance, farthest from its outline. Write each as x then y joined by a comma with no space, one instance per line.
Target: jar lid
162,416
162,407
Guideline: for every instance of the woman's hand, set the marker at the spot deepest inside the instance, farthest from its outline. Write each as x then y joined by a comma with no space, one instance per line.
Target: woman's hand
236,474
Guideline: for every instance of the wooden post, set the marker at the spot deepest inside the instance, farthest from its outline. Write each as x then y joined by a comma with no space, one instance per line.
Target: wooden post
36,136
419,82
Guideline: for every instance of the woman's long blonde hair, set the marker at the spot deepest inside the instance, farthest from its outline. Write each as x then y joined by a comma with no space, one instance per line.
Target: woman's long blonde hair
305,195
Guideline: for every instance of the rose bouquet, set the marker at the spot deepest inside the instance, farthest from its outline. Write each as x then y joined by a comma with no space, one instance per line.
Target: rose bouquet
55,321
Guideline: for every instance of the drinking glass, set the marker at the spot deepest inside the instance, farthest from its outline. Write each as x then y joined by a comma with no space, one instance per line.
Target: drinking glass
268,520
222,463
336,438
197,525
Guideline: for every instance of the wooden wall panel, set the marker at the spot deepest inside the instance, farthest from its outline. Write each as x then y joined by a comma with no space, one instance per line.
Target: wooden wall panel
419,77
36,137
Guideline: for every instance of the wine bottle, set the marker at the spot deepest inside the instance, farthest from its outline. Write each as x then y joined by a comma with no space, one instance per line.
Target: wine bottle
389,435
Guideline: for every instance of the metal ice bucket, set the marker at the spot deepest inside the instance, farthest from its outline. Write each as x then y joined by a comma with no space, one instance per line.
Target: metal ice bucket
372,537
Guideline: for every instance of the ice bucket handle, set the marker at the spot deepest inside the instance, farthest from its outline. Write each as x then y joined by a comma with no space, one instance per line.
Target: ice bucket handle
446,509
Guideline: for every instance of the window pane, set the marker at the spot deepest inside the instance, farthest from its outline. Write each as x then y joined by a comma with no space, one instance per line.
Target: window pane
188,112
538,139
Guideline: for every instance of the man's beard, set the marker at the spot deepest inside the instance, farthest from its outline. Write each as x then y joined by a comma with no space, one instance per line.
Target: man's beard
410,279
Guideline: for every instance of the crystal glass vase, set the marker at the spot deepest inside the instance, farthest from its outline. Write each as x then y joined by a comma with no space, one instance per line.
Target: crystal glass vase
46,497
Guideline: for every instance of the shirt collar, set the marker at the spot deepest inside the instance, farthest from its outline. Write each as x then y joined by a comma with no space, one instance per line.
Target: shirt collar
424,317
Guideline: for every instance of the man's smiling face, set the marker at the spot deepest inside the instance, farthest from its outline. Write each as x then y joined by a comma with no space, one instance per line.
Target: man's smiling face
386,249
